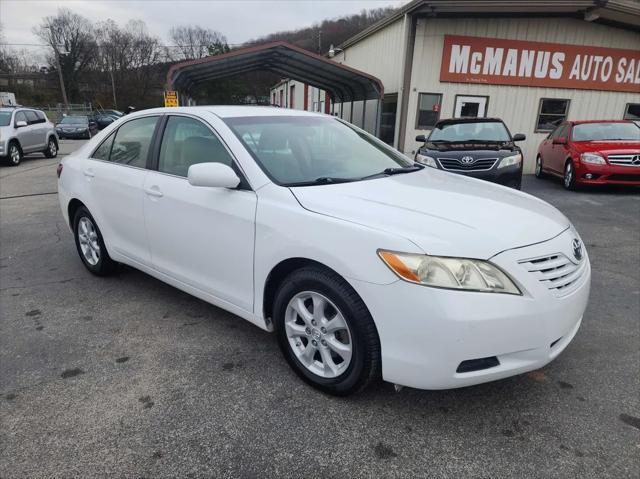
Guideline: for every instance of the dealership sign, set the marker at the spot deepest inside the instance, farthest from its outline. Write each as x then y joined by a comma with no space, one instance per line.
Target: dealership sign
514,62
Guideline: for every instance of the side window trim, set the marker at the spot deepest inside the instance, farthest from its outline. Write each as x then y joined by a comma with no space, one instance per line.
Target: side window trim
244,182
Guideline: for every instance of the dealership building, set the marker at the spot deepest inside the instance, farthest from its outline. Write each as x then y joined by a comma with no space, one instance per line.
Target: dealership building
533,63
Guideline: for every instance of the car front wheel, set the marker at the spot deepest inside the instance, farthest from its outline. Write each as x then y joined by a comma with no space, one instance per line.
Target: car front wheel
326,332
90,244
15,154
569,180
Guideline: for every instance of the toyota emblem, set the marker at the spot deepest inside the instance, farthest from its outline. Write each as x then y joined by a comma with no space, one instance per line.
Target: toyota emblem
577,249
467,160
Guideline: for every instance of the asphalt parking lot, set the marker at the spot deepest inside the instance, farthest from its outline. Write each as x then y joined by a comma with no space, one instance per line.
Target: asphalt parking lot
128,377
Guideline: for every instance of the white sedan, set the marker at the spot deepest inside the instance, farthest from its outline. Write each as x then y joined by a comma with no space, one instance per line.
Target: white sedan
364,264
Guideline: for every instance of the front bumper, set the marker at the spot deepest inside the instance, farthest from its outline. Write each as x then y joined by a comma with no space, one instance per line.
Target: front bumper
72,134
426,333
607,174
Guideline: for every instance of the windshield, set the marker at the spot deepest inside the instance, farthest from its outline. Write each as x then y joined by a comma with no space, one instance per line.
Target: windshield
74,120
5,118
606,131
299,149
475,131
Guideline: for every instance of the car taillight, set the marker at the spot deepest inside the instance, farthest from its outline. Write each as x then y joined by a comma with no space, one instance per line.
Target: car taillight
59,170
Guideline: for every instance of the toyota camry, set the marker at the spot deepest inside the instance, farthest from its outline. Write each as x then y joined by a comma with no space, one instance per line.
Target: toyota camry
364,264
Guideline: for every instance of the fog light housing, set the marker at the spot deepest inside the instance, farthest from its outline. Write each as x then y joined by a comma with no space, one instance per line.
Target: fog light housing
588,176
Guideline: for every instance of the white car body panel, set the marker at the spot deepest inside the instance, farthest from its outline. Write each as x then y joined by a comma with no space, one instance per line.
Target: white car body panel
221,245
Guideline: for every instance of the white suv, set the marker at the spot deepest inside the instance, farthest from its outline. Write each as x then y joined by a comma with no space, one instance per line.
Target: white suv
22,131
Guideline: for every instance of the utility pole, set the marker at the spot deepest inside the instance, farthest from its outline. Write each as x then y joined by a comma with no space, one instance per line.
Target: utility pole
56,54
319,42
62,88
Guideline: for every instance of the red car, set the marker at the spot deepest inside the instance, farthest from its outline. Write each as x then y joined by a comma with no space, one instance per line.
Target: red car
591,153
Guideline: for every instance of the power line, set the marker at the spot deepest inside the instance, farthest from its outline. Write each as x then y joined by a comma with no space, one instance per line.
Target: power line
163,46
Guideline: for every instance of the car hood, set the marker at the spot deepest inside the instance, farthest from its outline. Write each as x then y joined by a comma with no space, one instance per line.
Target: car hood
442,213
607,147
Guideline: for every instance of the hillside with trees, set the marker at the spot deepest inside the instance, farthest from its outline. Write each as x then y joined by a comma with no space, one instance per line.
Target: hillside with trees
113,66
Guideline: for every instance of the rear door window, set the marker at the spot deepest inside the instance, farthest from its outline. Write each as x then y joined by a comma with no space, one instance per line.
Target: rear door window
32,118
133,141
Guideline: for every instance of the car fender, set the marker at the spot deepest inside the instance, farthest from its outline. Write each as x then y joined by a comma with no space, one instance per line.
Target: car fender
285,230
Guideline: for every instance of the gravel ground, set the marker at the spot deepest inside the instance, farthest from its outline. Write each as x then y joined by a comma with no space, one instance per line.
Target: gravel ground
128,377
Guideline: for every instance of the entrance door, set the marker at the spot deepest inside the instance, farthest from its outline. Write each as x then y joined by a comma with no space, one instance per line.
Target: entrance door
470,106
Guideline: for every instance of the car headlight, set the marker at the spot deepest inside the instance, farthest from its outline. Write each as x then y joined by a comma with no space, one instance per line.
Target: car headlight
449,273
426,160
510,160
592,158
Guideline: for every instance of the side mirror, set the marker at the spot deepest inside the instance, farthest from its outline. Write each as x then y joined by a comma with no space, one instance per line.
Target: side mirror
421,138
561,140
519,137
212,175
20,123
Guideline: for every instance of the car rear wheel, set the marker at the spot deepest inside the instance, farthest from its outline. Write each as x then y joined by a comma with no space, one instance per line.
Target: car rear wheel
14,156
539,173
90,244
52,149
326,332
569,180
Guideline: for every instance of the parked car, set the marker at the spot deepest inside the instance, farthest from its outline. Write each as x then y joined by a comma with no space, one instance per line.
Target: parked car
103,119
364,263
24,130
478,147
591,153
77,126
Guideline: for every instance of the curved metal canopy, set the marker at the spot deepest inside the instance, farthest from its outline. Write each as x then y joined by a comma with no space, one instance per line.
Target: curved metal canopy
343,83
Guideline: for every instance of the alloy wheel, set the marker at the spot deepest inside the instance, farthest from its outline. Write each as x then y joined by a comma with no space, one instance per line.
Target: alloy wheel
318,334
53,149
14,154
568,175
88,238
538,166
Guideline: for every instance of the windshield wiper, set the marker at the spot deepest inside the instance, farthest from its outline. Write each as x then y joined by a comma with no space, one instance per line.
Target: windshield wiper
395,171
323,180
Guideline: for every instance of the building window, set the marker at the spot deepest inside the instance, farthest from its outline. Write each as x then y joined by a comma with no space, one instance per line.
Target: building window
632,111
551,113
428,110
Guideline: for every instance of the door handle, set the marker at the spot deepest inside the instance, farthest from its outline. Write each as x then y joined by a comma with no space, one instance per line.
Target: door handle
154,191
89,173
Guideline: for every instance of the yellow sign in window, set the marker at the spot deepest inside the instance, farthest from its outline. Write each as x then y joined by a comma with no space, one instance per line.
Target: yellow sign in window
171,98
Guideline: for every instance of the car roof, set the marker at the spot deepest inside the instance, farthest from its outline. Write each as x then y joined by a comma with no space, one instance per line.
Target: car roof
580,122
231,111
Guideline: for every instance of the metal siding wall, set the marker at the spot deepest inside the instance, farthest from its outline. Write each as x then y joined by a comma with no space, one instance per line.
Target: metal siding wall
379,55
517,106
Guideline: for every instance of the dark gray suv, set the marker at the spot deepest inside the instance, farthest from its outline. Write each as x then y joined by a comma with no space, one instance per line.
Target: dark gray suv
24,130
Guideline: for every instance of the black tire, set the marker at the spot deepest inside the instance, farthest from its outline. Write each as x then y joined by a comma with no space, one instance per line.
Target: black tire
539,173
51,151
365,365
105,265
14,155
569,178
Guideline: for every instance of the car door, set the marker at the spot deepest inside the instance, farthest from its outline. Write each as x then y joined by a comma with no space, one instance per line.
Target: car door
38,129
24,133
200,236
116,172
554,160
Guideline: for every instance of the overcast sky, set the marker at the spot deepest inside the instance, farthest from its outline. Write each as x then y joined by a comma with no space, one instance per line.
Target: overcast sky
239,20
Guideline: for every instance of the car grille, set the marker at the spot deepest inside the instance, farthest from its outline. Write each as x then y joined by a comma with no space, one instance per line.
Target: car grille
557,272
454,164
625,160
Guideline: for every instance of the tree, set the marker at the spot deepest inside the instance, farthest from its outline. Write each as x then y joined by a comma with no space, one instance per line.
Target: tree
193,41
73,46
